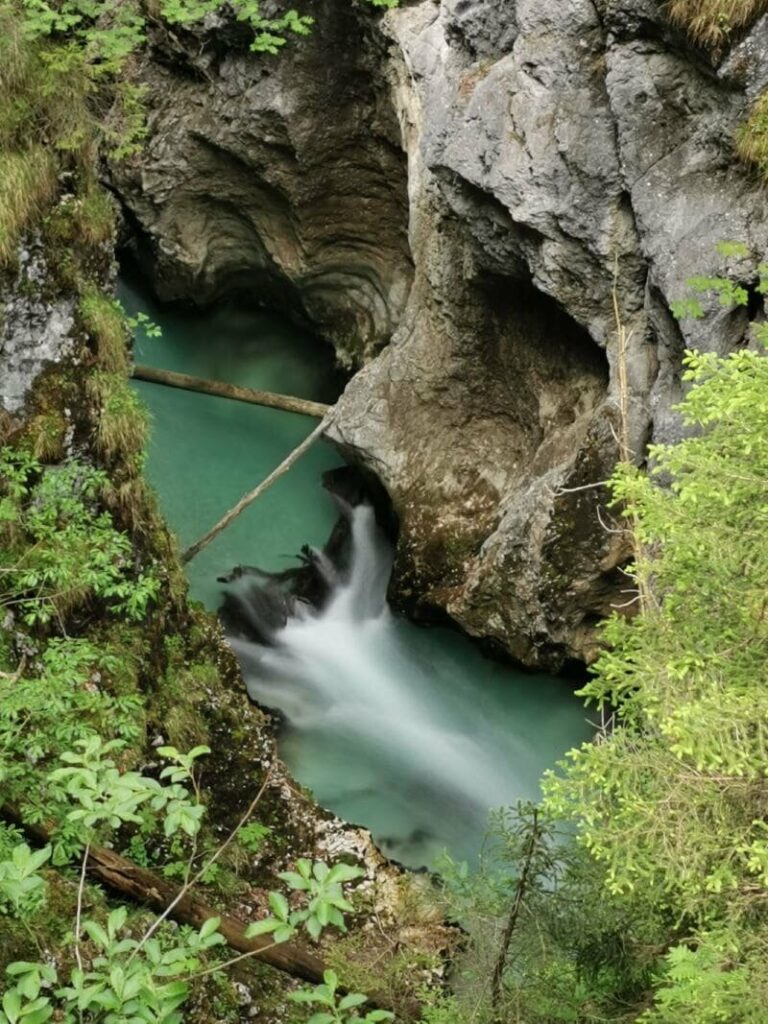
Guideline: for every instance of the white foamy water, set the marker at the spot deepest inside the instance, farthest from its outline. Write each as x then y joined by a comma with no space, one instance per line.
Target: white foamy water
408,731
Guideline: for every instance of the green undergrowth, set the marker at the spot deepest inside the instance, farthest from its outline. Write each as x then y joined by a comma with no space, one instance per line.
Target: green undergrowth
104,322
101,681
47,136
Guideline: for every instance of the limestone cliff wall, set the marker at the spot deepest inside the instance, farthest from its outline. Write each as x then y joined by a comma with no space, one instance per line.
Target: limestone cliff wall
469,183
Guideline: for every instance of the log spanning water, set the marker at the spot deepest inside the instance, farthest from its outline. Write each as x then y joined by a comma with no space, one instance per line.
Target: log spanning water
251,496
288,403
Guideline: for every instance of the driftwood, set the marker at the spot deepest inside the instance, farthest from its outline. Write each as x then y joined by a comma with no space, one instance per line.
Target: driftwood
251,496
288,403
124,877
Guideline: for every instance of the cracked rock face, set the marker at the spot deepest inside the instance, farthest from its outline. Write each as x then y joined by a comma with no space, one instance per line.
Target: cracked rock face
557,152
564,163
33,330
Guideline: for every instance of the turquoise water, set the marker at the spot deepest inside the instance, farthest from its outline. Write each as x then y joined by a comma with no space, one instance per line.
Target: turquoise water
206,452
408,731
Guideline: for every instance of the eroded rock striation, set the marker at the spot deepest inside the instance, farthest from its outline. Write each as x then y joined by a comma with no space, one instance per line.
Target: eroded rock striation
485,185
280,179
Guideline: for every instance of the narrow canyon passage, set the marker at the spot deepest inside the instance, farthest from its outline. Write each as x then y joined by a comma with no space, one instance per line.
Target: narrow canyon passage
408,731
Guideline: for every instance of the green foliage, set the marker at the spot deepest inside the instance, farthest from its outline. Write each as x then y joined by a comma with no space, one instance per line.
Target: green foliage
27,185
23,1001
671,802
148,327
337,1009
104,795
62,551
108,31
657,913
122,425
699,988
22,888
125,128
686,674
131,981
254,836
19,1009
103,319
145,979
126,980
93,217
572,955
48,712
325,901
752,136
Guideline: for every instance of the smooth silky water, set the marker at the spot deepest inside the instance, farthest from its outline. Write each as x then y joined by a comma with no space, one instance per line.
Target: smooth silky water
406,730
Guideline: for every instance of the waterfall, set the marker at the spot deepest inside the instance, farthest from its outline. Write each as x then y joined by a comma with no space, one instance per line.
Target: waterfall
369,712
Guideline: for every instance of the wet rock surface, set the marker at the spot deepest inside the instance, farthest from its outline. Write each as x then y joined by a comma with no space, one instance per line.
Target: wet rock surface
474,182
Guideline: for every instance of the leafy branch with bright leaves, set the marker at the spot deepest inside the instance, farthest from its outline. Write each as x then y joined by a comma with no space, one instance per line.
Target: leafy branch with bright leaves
336,1007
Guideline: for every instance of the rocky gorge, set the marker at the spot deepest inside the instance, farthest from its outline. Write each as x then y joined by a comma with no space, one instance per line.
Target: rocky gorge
454,195
469,224
463,197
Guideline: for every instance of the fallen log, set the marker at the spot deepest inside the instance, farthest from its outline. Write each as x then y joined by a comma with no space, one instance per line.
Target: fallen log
144,886
126,878
288,403
251,496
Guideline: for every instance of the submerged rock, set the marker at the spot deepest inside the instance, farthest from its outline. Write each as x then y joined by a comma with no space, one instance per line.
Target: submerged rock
562,164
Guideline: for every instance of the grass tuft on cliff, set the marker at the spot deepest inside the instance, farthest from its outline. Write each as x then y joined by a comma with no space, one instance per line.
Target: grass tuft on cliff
712,22
28,184
752,136
122,425
105,323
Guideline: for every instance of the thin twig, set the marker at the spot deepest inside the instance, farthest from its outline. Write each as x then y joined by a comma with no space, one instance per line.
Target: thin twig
520,893
235,960
212,860
584,487
251,496
79,912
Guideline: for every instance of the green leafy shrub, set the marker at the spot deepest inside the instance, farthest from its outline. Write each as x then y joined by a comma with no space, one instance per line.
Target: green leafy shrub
254,836
337,1009
325,901
63,552
22,889
106,795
